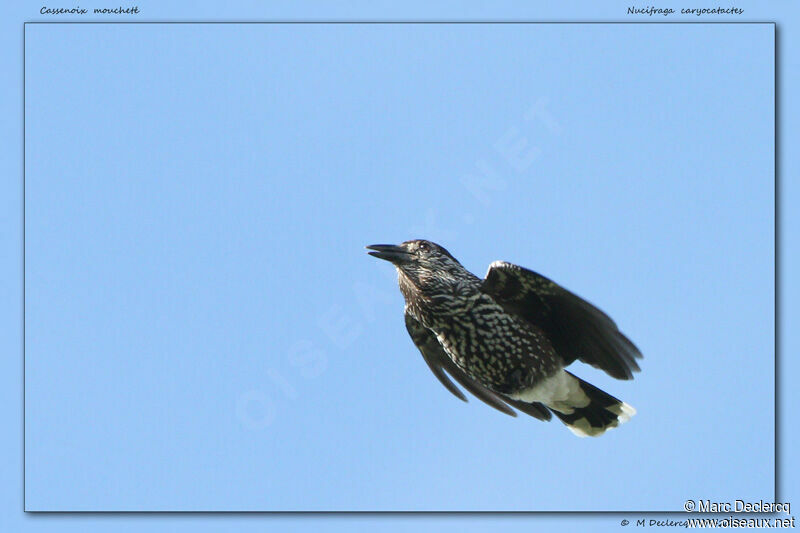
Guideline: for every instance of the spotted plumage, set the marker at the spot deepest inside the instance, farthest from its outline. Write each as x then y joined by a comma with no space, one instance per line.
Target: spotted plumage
507,338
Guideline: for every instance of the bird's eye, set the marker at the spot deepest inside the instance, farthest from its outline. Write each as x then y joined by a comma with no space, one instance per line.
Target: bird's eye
423,247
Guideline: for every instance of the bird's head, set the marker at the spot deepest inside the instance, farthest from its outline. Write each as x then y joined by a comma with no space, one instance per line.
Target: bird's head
421,265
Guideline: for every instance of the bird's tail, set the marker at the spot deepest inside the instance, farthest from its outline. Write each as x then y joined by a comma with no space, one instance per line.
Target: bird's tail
589,412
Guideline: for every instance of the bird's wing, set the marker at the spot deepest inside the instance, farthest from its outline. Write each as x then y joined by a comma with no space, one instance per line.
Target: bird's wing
441,365
576,328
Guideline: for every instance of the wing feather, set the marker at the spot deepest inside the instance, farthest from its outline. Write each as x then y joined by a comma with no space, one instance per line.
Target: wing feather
430,348
441,365
576,328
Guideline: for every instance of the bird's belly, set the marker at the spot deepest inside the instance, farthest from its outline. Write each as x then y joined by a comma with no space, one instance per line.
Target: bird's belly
504,357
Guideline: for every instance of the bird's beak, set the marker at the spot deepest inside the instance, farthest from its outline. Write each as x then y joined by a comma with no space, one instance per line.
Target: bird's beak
389,252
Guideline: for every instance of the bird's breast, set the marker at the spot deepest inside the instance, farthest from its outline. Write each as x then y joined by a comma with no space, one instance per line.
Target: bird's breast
496,348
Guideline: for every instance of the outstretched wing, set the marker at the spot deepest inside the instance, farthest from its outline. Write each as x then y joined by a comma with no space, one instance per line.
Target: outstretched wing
576,328
441,365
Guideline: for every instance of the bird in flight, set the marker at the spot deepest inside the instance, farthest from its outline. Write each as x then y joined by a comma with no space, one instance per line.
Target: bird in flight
507,338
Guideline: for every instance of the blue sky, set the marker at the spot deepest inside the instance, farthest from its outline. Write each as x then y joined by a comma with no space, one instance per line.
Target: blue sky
205,332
